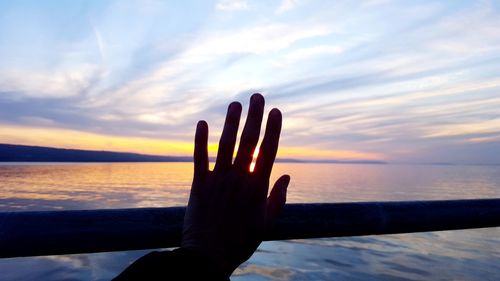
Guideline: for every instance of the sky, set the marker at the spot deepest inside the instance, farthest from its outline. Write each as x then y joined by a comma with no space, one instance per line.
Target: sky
399,81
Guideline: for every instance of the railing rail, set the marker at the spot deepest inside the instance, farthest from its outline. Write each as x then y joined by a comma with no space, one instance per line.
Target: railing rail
88,231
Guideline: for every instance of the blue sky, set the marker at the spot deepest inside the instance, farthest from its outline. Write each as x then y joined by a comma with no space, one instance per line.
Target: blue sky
407,81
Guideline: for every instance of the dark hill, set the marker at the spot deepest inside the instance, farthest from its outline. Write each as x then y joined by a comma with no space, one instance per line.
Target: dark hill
24,153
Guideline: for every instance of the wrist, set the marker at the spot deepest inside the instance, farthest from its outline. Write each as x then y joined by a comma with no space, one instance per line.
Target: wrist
211,257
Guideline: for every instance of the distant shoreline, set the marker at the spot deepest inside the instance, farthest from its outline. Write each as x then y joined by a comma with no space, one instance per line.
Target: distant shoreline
12,153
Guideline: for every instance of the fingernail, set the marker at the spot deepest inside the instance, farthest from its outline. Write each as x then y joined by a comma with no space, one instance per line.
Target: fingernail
274,112
201,124
256,98
287,180
234,106
285,189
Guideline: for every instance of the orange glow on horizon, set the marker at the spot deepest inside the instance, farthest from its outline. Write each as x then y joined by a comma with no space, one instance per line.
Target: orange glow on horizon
66,138
324,154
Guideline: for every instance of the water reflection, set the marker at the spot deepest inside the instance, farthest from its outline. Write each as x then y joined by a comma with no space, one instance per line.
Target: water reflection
466,254
338,183
91,186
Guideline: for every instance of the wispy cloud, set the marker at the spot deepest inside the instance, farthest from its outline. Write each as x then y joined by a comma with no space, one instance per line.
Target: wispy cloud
231,5
286,5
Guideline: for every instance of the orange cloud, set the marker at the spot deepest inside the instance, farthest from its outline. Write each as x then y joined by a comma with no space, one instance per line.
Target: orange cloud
65,138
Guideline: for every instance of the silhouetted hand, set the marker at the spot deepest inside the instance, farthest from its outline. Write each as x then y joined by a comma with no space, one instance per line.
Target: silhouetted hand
228,209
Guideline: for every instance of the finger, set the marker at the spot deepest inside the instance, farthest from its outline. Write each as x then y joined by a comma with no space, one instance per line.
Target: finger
250,135
201,150
277,199
269,147
228,138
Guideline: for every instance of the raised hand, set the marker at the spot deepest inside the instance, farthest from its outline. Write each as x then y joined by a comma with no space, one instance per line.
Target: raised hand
229,208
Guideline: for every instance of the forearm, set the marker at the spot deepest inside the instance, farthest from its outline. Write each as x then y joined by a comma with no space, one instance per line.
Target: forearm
179,264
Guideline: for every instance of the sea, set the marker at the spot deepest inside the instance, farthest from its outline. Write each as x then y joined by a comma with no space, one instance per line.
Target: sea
444,255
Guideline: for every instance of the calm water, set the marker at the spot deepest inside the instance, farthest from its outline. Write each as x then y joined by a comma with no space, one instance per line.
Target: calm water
448,255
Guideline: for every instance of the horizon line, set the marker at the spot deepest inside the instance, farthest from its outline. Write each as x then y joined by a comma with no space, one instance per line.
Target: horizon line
189,158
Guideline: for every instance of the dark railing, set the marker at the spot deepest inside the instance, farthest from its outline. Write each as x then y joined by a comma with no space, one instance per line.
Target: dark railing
88,231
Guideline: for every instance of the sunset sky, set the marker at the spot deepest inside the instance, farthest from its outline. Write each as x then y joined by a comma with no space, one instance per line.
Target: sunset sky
402,81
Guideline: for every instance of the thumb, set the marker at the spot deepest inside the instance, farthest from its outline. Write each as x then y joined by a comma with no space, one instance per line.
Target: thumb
276,199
